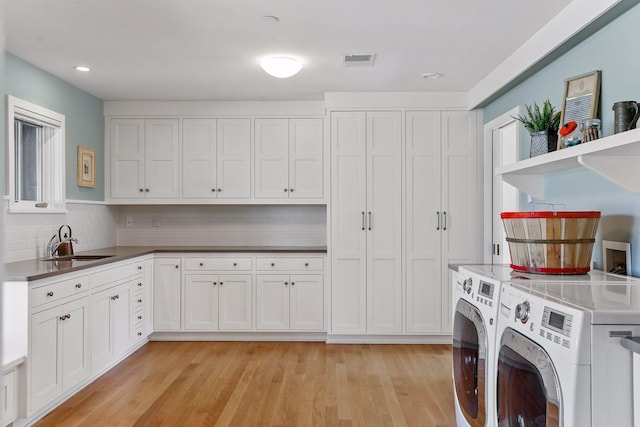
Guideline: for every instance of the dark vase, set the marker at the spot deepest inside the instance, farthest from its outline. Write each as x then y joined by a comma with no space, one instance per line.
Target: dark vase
543,142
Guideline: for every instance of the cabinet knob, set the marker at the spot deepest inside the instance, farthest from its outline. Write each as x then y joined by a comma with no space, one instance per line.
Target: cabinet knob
273,264
139,317
286,189
50,293
291,190
142,190
65,316
221,283
139,300
215,283
146,190
306,264
115,297
219,189
286,283
293,283
201,264
139,334
78,285
213,190
139,267
177,266
139,284
235,264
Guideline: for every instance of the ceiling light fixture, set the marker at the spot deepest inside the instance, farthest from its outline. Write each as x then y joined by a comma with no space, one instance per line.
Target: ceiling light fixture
82,68
281,66
432,76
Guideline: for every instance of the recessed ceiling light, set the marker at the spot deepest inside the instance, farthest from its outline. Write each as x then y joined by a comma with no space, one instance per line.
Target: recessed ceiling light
431,76
270,19
281,66
82,68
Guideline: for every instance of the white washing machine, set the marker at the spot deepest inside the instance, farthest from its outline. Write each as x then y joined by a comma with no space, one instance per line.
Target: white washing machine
475,304
559,361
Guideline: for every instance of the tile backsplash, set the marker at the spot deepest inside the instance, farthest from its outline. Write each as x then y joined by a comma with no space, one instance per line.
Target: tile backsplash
27,235
229,225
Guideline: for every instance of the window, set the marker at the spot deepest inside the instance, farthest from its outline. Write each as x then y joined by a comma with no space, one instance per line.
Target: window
36,157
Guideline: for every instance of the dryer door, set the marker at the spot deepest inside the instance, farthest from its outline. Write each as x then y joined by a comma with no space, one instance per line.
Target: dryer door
528,391
469,362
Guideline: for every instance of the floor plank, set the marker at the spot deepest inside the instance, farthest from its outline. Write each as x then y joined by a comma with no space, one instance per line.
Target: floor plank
268,384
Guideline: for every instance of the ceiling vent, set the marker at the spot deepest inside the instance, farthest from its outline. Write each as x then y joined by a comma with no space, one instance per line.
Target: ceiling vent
361,60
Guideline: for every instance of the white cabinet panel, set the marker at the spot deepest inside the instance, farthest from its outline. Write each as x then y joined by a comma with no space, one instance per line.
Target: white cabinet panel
101,332
234,158
305,158
9,408
127,158
122,318
166,294
235,302
45,358
271,158
199,158
306,302
162,158
273,302
75,342
201,302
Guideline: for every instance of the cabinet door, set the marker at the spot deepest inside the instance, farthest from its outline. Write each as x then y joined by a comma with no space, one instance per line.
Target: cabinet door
273,302
424,221
9,407
166,294
162,158
127,158
75,342
234,158
348,231
271,158
199,158
384,222
235,301
121,306
45,363
305,158
460,198
101,331
306,302
201,302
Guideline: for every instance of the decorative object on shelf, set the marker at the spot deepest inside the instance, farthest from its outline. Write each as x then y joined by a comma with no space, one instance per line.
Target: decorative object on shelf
590,130
543,125
625,115
570,135
616,257
581,97
86,167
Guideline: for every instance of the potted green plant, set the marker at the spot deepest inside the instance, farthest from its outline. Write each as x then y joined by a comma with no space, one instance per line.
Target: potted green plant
542,124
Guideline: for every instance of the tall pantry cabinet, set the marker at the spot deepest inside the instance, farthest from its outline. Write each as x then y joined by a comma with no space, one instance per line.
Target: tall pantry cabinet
366,222
403,207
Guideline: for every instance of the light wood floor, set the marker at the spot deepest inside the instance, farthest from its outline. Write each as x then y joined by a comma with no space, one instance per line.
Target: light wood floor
268,384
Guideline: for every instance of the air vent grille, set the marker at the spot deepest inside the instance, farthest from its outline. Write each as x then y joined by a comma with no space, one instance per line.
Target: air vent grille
358,60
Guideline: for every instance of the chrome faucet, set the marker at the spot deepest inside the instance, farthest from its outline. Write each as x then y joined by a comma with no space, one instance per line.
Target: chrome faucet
52,247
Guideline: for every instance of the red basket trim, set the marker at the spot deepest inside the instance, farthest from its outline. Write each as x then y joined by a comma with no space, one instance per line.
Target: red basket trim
569,270
550,214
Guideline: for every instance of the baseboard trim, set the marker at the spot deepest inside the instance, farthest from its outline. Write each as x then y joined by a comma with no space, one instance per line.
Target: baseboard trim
239,336
388,339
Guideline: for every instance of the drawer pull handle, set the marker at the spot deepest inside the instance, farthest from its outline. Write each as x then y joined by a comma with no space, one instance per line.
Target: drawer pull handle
78,285
65,317
140,301
273,264
139,334
235,264
50,293
139,267
115,297
139,284
177,266
201,264
306,264
139,317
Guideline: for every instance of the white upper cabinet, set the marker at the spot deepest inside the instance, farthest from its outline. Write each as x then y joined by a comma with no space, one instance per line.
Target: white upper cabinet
216,158
145,158
288,158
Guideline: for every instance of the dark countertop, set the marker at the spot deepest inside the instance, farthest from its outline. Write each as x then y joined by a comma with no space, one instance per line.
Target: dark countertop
35,269
631,343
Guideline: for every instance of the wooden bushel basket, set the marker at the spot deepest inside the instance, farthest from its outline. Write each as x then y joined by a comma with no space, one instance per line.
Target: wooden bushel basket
551,242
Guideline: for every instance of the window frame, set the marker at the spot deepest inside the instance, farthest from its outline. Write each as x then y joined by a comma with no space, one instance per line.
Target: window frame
54,153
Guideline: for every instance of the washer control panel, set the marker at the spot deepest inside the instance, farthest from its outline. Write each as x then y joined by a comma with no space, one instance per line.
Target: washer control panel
485,293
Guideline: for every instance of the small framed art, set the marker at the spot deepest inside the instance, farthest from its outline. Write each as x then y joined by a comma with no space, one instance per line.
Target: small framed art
86,167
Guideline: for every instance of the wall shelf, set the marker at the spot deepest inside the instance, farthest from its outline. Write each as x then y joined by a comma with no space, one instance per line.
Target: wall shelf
615,157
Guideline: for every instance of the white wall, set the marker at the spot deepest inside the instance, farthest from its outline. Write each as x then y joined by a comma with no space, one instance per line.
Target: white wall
274,225
26,235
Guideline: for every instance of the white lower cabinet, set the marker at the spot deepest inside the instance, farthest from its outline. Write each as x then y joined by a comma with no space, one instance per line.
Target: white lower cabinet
9,407
111,328
166,294
59,351
290,302
218,302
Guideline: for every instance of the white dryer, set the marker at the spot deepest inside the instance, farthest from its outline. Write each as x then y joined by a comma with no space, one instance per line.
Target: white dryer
475,304
559,361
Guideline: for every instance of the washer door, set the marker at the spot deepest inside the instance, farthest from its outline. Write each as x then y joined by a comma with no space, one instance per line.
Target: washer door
528,391
469,362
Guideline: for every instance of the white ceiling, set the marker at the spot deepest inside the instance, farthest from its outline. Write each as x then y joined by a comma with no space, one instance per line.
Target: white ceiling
209,49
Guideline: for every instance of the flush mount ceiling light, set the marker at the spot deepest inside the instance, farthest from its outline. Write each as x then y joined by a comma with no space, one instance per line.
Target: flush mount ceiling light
281,66
431,76
82,68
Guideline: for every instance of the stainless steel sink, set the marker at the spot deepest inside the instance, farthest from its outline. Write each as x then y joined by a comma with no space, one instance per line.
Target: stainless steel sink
77,258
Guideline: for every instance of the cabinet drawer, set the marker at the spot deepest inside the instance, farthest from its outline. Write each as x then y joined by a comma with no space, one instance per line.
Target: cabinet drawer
113,275
58,290
138,332
217,264
138,285
138,319
290,264
138,302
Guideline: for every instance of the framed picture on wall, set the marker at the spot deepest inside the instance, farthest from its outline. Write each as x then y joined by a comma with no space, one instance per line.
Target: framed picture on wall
581,98
86,167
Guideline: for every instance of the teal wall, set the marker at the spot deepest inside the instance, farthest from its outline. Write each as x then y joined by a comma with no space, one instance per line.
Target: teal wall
83,113
614,49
